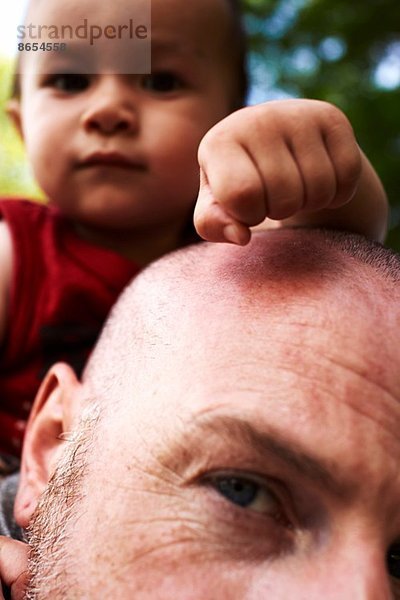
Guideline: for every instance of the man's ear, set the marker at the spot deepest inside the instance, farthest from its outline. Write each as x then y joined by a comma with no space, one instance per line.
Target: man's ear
13,110
52,415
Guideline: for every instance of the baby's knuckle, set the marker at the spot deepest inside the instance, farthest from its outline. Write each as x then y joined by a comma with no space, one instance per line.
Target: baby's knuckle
350,170
285,203
246,202
332,114
204,225
320,196
211,142
280,184
243,193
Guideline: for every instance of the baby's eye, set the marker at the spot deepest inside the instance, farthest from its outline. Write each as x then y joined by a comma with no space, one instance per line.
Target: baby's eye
69,82
247,493
161,82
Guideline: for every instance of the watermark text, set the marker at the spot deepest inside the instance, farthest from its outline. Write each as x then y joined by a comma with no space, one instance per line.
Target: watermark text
84,31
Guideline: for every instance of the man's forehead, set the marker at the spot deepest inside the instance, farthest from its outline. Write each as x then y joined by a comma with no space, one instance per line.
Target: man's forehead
287,277
289,272
212,304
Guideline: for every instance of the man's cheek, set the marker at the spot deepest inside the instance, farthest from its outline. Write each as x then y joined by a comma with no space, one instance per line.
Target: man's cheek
168,527
170,522
185,546
180,559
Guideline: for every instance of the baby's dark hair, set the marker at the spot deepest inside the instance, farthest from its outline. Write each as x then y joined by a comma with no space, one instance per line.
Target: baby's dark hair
239,56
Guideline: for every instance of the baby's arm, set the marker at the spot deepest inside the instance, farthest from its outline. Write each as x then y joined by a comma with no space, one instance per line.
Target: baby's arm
5,276
296,162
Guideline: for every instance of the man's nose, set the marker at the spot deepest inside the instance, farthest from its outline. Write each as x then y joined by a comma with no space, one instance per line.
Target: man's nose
112,109
357,572
359,584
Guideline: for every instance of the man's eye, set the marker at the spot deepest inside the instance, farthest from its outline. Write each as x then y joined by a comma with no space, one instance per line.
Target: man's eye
69,82
247,493
393,560
162,82
239,491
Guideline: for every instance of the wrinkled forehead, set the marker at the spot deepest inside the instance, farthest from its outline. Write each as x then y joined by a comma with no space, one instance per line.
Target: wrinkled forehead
284,281
256,311
287,302
226,309
340,318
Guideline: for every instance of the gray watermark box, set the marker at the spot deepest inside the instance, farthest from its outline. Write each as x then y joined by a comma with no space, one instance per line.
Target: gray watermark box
69,36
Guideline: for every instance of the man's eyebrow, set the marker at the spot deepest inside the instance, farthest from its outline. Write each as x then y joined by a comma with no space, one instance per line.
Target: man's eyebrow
264,442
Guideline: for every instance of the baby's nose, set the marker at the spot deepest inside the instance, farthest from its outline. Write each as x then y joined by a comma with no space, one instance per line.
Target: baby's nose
111,110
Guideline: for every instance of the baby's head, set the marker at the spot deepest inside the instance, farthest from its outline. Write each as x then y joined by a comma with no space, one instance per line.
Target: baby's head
117,151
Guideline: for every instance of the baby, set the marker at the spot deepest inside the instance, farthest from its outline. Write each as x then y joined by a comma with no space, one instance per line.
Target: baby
116,155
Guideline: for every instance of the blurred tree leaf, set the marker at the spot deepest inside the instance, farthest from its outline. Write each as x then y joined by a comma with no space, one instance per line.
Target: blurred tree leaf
15,176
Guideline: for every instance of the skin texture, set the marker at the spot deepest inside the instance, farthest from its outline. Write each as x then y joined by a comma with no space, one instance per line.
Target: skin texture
292,386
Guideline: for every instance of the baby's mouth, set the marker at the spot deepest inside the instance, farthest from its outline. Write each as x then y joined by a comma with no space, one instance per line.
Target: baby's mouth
111,159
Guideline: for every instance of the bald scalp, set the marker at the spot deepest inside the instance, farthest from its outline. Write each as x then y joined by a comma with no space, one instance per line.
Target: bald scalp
280,274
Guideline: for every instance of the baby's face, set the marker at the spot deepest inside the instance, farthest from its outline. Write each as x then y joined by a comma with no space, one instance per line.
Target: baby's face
119,151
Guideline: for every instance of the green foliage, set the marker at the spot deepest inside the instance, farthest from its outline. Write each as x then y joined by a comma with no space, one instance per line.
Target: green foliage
15,177
333,50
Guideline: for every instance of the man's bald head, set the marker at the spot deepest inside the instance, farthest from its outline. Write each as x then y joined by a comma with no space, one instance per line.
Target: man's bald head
248,436
282,274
